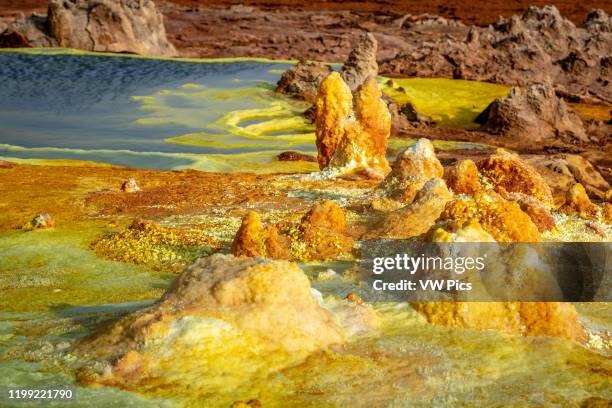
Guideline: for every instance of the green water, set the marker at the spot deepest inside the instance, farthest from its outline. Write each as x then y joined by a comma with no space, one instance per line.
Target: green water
55,291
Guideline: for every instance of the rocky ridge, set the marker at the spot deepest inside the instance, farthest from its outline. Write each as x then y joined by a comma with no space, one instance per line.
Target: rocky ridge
537,47
125,26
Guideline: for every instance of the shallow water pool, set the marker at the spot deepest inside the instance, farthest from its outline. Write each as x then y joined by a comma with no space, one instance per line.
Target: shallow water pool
212,115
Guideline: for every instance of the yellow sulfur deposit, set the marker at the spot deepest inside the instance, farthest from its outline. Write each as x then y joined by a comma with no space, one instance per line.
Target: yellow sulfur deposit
526,318
503,219
143,242
449,102
320,234
471,231
464,178
509,174
224,321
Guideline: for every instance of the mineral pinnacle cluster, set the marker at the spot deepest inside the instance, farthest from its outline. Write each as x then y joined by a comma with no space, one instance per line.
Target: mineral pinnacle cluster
352,130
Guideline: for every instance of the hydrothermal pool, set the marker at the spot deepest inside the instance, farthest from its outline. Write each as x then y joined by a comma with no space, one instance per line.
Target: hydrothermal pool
219,115
123,110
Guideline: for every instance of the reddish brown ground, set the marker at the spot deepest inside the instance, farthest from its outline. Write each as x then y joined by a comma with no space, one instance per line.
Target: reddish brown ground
15,7
79,193
316,30
469,11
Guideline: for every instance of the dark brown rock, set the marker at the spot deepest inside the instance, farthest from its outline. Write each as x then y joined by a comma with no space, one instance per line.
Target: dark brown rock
302,81
295,156
538,46
534,115
415,118
361,63
27,32
13,39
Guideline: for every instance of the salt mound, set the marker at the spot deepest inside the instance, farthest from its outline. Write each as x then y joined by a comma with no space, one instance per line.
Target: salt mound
527,318
413,167
223,321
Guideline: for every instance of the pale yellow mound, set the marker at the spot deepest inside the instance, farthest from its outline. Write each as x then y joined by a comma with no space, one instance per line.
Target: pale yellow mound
224,321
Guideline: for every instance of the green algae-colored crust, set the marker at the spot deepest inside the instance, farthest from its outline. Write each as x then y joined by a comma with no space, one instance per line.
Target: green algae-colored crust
157,247
48,269
449,102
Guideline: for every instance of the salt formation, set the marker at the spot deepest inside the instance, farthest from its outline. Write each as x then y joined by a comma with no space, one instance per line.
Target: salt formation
223,318
471,231
417,217
584,173
334,104
321,234
540,216
526,318
577,201
509,174
561,171
130,186
413,167
518,272
503,219
511,273
352,140
464,178
41,221
606,213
